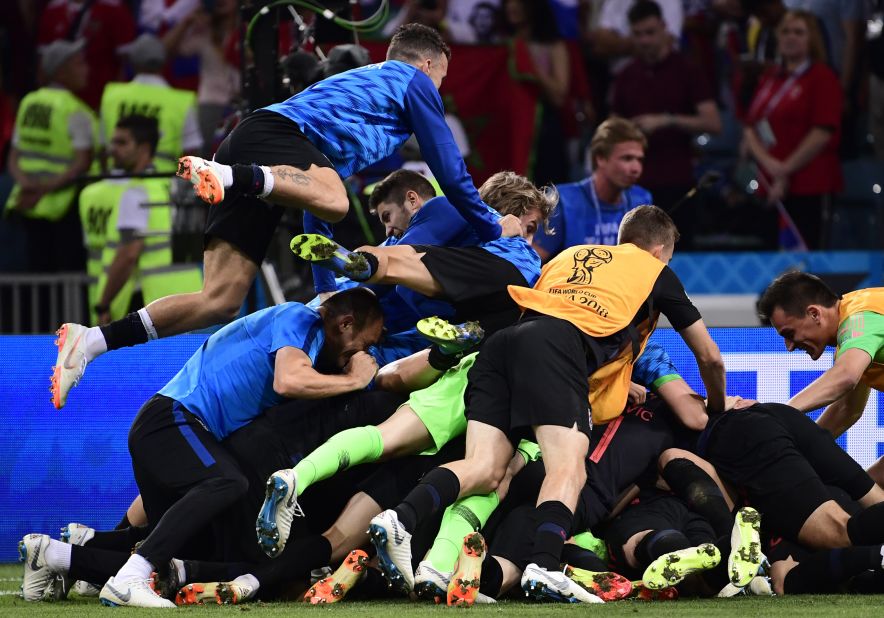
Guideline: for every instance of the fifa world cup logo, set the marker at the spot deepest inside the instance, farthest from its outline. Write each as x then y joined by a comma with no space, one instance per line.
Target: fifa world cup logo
586,260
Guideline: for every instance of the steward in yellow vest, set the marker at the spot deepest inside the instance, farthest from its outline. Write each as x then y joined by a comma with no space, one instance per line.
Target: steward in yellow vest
127,226
809,316
148,94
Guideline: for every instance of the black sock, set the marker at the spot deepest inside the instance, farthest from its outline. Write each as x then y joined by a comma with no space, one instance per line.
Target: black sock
247,179
127,331
123,539
299,558
554,521
576,556
492,577
824,571
867,526
124,523
437,490
659,542
203,571
691,483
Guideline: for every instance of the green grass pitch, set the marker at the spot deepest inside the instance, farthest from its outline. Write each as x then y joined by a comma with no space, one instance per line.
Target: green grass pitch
805,606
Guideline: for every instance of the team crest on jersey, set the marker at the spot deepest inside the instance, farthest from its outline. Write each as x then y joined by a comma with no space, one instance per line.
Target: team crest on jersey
586,260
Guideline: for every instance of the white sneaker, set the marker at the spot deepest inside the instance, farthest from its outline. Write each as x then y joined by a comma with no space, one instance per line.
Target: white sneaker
74,534
70,363
133,592
280,507
431,584
204,176
38,577
541,584
393,544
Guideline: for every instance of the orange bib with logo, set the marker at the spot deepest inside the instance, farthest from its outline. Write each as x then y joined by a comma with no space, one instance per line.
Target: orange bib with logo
869,299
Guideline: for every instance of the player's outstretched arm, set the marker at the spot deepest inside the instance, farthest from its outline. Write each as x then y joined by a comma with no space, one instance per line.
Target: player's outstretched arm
407,374
841,415
835,383
710,363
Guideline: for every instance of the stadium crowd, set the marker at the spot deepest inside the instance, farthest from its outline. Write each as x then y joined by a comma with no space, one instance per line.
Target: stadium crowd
472,408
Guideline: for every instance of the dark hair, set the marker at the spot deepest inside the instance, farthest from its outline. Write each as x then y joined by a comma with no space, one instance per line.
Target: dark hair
642,10
794,292
540,15
647,226
415,42
144,130
359,302
394,187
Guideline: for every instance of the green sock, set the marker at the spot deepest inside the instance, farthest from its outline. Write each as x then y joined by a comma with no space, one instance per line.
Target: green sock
343,450
464,516
587,540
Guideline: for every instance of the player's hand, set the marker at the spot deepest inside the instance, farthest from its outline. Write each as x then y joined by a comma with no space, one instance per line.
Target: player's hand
735,402
637,393
510,226
362,367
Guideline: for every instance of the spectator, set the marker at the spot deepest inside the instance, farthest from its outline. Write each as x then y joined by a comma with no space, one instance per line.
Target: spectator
793,128
473,22
157,15
842,26
427,12
53,143
213,35
105,25
612,36
589,212
149,94
681,105
763,40
533,24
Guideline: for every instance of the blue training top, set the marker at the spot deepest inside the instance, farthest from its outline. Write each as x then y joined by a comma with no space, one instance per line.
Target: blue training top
358,117
654,368
229,380
583,219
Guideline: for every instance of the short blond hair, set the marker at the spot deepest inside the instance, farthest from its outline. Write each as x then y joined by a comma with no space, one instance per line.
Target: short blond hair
613,131
511,194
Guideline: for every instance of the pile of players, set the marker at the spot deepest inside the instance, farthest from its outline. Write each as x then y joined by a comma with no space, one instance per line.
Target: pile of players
453,422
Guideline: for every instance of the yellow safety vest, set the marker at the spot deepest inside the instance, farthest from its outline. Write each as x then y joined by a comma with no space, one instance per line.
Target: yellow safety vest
599,289
168,105
45,148
868,299
156,274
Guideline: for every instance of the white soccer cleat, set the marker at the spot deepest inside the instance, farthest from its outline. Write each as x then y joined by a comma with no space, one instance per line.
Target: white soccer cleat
430,583
75,534
280,507
133,592
542,585
70,363
393,544
37,582
204,176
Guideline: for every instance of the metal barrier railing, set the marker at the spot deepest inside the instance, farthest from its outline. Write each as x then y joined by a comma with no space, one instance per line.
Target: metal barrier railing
39,303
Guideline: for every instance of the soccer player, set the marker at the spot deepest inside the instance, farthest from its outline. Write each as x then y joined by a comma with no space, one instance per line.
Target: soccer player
587,319
185,476
792,461
590,211
293,154
472,278
809,316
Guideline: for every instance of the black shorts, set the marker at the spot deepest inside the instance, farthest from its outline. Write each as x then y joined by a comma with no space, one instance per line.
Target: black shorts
263,138
532,373
756,450
475,282
654,510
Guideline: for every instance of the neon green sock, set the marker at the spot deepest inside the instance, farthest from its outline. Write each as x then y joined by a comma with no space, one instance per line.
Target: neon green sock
464,516
343,450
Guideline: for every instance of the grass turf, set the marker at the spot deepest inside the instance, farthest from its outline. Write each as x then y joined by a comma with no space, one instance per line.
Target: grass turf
804,606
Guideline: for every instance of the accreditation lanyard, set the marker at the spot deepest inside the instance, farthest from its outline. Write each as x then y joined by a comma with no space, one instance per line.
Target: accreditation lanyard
777,98
589,187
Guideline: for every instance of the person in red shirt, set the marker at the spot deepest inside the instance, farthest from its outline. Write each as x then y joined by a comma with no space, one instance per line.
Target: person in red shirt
670,100
793,128
105,24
